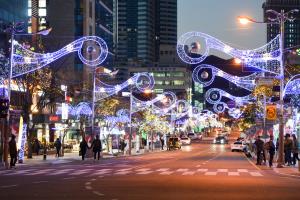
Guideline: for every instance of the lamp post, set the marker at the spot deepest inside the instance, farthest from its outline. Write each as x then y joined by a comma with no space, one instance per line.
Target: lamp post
279,18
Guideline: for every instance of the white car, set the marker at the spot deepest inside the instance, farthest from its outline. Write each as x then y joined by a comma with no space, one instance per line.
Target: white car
238,146
194,136
185,140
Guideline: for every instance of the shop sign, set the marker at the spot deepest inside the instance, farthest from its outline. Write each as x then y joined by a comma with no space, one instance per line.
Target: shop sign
271,112
53,118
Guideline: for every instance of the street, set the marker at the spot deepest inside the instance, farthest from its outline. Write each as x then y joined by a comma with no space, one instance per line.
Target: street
198,171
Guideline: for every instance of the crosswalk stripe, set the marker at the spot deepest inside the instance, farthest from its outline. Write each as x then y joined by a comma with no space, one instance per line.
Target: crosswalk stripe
182,170
102,171
188,173
222,170
166,173
144,172
18,172
143,169
80,172
122,173
210,173
243,170
63,171
40,172
233,173
121,170
255,174
162,169
202,170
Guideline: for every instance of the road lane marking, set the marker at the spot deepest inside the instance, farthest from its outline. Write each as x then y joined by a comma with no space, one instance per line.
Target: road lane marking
243,170
143,169
88,187
67,178
98,193
102,172
18,172
122,173
252,163
40,172
222,170
255,174
210,173
80,172
63,171
233,173
162,169
167,173
145,172
8,186
202,170
188,173
122,170
182,170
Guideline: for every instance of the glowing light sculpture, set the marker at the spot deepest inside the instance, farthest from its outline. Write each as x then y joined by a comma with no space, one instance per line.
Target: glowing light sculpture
214,95
83,108
142,81
266,58
91,50
292,86
201,75
156,104
122,116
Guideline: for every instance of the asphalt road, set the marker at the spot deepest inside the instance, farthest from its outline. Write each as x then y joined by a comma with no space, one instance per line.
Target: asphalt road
199,171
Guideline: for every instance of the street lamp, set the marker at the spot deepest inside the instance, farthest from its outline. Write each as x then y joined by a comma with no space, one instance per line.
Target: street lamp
278,18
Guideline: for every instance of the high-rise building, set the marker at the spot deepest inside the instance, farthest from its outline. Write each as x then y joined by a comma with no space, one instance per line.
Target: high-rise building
292,29
72,19
146,30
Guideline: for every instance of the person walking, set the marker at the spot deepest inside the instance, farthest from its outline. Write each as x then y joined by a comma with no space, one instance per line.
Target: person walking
162,142
83,148
36,146
259,148
270,147
295,150
97,147
288,146
12,145
57,145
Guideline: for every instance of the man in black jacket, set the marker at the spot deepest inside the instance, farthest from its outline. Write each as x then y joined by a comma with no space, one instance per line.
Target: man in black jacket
259,148
97,147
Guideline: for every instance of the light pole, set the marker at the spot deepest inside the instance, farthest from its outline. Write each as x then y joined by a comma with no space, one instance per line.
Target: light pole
280,19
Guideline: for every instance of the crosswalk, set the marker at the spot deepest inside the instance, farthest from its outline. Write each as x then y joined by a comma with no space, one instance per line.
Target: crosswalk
132,171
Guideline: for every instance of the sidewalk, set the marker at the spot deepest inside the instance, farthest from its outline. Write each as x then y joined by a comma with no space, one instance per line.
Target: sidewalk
74,156
285,170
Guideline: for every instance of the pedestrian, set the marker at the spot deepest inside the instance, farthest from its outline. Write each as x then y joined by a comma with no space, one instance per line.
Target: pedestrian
259,149
162,142
36,146
295,150
57,145
12,145
270,147
288,146
83,148
97,147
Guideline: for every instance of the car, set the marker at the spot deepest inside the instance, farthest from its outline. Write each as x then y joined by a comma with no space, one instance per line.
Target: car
238,146
194,136
185,140
174,143
220,140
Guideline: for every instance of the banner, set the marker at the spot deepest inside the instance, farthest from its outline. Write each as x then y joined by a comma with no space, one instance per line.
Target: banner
271,112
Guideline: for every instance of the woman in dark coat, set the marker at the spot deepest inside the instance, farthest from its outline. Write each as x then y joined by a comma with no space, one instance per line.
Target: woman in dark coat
83,148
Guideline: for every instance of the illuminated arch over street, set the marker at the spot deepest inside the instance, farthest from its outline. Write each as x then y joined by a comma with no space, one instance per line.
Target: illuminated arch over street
266,58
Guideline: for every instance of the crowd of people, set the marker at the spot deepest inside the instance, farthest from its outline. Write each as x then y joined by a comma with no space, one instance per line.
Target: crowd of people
270,149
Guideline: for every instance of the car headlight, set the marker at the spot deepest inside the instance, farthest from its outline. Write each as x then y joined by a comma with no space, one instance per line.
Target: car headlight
214,140
222,140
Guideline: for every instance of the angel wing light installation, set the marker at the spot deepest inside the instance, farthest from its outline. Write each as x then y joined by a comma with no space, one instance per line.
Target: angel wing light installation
266,58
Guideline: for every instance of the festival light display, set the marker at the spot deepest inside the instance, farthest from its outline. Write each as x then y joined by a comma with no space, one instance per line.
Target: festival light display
81,109
266,58
122,116
157,104
214,95
292,86
205,74
142,81
91,50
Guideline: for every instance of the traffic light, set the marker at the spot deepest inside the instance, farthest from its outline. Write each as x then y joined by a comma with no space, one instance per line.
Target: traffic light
4,107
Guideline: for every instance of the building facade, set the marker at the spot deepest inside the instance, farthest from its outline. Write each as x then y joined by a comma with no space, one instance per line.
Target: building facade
292,29
146,30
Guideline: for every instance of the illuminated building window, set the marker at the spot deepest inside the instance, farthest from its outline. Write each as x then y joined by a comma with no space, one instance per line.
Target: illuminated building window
178,82
42,12
42,3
